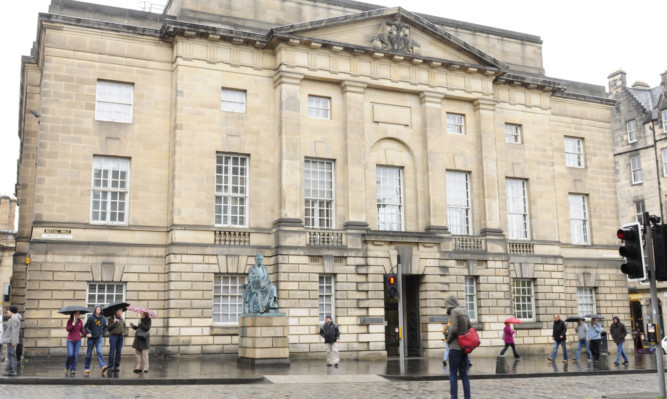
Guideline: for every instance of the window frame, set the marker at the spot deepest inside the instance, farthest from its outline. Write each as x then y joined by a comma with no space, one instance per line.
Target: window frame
579,161
526,206
580,303
632,134
516,133
231,103
241,279
332,200
230,194
400,205
531,303
636,173
640,208
99,113
457,126
453,181
105,283
315,111
664,120
321,296
586,233
107,163
664,162
473,295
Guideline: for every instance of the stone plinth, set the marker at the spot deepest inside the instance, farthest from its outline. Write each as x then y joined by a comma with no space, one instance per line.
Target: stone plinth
263,340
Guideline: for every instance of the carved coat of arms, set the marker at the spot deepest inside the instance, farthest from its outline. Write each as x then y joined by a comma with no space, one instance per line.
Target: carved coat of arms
394,36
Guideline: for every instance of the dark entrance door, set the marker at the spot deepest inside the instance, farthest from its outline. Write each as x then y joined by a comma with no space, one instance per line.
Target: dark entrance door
391,319
637,316
412,324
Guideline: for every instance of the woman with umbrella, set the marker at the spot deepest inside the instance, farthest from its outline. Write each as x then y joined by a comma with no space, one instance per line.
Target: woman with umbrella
509,337
142,338
74,332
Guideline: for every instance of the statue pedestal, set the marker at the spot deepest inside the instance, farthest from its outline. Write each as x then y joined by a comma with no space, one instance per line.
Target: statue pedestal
263,340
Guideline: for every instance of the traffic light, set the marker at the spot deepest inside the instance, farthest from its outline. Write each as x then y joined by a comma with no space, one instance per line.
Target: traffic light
633,251
660,251
391,280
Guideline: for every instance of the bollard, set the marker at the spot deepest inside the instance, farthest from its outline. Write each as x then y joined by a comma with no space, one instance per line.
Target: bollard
501,365
603,364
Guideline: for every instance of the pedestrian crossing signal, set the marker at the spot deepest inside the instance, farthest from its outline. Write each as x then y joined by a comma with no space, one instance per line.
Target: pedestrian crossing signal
392,285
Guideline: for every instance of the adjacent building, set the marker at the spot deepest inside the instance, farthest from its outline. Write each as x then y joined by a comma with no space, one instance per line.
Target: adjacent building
333,137
639,133
7,243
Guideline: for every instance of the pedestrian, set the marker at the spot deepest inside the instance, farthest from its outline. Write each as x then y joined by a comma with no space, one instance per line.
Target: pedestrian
74,333
142,342
2,358
559,335
329,331
595,339
10,336
460,324
618,333
582,335
116,325
509,340
95,327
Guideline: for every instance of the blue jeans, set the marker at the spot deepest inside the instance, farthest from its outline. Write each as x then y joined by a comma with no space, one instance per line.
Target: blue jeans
72,354
115,347
582,343
555,352
97,344
621,352
444,358
458,364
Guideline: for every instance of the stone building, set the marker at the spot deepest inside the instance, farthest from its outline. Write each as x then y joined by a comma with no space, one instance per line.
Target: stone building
639,133
7,243
332,136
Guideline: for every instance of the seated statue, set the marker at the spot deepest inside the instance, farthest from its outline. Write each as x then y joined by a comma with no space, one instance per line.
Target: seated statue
259,295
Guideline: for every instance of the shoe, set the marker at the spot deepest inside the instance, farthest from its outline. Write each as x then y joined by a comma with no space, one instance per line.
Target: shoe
136,371
10,374
115,369
625,362
517,358
616,363
104,369
444,363
73,372
328,365
565,361
87,371
336,365
469,364
550,359
145,371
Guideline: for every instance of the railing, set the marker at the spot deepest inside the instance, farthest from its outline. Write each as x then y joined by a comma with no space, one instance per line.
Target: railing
521,248
325,238
469,244
231,237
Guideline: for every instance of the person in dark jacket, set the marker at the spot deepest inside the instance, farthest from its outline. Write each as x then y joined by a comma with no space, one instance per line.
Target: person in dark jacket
141,344
618,333
94,328
458,360
116,325
329,331
559,335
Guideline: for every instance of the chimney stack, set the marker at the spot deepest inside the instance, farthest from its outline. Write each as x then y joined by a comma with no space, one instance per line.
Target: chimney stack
617,80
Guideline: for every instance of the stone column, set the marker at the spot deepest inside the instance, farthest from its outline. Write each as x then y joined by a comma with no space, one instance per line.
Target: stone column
287,85
431,103
484,114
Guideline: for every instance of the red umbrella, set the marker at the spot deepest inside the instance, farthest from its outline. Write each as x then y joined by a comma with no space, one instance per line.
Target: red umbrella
513,320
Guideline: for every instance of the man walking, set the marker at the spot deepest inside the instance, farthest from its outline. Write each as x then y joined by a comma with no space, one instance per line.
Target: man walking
458,360
618,333
331,335
595,339
582,335
559,337
11,337
95,327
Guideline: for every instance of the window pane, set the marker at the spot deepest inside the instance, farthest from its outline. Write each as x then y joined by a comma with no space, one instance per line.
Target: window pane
389,198
319,107
110,188
319,194
231,187
458,202
579,219
522,295
228,297
233,100
114,101
517,209
326,297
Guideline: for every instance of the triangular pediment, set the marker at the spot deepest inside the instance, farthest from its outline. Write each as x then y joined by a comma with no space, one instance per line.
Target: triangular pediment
392,30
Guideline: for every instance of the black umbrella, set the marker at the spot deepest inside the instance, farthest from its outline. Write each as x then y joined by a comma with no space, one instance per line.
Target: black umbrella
111,308
574,318
73,309
594,316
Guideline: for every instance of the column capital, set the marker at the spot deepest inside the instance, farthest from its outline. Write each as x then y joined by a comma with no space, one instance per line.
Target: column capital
431,97
484,104
353,86
287,77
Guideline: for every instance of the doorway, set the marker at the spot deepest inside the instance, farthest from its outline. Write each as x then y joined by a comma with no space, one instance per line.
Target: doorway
412,322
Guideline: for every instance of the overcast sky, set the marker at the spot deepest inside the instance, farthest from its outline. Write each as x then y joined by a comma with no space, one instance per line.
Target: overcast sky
583,40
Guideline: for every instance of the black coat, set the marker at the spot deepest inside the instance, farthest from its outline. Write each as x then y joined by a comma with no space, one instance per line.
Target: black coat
618,332
560,328
142,343
329,332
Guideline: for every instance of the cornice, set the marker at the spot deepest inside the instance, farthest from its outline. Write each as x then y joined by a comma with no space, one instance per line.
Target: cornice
353,86
287,77
484,104
530,82
431,97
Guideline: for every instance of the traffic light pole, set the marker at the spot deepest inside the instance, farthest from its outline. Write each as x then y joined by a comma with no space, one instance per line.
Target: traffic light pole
401,348
654,303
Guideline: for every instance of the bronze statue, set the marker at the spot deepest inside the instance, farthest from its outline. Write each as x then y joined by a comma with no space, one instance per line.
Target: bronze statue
259,295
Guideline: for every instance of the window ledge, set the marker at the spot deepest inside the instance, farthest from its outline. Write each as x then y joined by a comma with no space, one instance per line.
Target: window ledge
224,330
529,325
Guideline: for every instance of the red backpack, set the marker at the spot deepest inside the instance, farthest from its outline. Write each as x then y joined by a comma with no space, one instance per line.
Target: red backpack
468,341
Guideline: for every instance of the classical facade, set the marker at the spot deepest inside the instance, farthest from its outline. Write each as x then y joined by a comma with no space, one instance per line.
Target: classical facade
7,243
639,134
332,137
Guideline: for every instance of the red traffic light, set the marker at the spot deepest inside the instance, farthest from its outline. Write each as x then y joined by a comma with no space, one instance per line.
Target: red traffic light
626,234
392,279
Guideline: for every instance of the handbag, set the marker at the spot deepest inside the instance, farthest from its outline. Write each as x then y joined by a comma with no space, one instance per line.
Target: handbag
468,341
142,333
